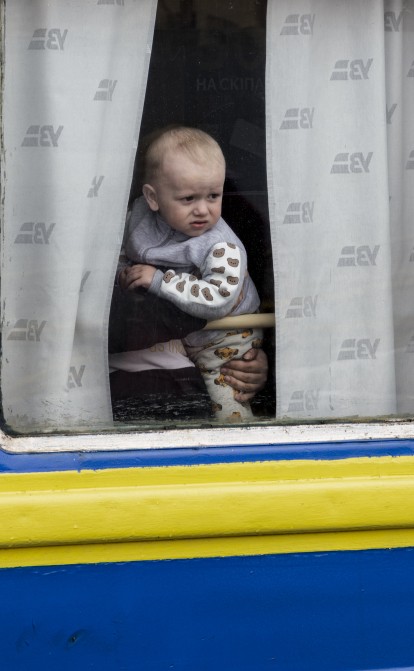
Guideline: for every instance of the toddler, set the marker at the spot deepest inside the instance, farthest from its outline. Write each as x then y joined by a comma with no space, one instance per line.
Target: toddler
178,247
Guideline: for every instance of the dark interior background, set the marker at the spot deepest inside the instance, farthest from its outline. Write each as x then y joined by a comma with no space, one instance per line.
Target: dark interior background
207,70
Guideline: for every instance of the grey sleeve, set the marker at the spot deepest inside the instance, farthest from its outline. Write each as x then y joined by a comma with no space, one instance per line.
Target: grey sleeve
216,293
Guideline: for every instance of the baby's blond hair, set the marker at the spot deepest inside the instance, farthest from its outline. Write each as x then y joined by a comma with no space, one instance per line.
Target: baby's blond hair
193,142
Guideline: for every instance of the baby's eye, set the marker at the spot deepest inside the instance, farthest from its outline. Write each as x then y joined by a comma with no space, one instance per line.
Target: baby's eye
187,199
214,196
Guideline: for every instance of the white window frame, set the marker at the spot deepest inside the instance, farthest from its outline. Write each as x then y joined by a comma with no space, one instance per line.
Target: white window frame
202,438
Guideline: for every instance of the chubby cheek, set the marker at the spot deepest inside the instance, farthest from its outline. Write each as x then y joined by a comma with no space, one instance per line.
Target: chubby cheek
178,219
217,207
216,212
176,213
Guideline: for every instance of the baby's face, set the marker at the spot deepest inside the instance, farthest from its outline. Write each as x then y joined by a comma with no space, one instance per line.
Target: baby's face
188,194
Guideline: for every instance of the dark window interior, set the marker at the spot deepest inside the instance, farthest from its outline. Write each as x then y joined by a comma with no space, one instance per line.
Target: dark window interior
208,70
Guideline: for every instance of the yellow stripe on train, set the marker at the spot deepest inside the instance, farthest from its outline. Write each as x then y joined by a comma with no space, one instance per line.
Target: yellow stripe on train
208,510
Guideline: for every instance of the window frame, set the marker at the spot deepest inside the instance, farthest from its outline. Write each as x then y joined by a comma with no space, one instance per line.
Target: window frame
198,438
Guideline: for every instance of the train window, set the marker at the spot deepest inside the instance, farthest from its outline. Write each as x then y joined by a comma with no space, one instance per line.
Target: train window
311,104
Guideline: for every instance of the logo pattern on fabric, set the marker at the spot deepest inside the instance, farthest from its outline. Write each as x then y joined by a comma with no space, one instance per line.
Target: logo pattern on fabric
304,399
106,89
42,136
358,256
27,330
34,233
75,377
299,213
345,163
302,306
53,39
364,348
410,162
356,69
392,22
298,118
298,24
390,112
96,185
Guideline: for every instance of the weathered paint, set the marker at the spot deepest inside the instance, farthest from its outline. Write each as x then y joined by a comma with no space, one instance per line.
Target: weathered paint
83,459
206,510
172,436
294,558
332,611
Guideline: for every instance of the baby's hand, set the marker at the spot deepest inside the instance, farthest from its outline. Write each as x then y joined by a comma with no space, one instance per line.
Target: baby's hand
132,277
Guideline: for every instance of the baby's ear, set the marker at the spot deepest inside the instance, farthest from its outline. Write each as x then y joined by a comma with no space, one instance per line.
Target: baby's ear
150,196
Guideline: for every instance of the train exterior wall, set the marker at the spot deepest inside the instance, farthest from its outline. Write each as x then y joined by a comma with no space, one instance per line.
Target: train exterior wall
225,558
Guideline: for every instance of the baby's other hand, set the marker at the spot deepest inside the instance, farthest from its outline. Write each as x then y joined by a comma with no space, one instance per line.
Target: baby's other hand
139,275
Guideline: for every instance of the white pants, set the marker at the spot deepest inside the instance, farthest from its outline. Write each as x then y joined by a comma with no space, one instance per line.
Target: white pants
210,357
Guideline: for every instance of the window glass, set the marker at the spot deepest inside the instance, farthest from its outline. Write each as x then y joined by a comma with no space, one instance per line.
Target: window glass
312,106
207,71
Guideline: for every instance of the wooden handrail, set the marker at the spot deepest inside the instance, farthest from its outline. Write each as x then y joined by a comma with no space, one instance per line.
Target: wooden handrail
260,321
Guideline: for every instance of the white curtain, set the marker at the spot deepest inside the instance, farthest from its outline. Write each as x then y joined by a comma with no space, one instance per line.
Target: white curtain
74,84
340,158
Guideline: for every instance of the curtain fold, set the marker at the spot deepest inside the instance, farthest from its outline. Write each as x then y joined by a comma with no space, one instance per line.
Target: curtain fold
74,86
339,133
340,163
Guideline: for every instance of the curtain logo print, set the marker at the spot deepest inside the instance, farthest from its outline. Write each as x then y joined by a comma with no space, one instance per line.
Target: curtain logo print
42,136
345,163
304,399
298,24
53,39
302,306
27,329
96,185
392,22
106,89
299,213
358,256
411,70
410,346
296,118
352,349
410,163
356,69
390,112
34,233
75,377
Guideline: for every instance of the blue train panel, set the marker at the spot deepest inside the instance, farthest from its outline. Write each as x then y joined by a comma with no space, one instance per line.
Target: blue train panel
333,611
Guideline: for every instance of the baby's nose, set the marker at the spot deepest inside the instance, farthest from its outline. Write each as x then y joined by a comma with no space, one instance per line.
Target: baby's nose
201,205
